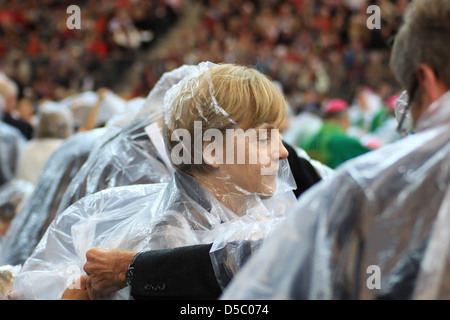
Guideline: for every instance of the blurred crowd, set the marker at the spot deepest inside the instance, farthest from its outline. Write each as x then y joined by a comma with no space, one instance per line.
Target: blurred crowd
49,60
323,46
314,50
319,46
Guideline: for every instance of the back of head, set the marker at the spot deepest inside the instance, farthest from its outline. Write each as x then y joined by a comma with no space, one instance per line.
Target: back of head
54,123
423,38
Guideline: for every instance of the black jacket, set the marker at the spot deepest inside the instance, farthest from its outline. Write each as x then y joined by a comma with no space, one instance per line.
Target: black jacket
304,173
24,127
177,273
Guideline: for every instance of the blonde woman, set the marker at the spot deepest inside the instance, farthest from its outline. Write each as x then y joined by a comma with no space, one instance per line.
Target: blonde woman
221,134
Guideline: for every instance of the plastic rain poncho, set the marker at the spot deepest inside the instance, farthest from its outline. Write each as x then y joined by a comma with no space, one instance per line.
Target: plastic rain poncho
13,195
183,211
433,280
134,154
37,213
11,144
109,105
364,234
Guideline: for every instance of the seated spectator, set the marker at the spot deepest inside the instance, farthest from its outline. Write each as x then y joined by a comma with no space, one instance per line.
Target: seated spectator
205,195
8,93
331,145
12,142
54,125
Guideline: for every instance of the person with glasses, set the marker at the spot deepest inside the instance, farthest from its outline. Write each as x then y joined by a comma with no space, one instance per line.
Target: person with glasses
378,229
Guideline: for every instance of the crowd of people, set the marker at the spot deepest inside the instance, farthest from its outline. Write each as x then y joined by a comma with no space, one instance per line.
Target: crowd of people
89,180
49,60
324,46
313,49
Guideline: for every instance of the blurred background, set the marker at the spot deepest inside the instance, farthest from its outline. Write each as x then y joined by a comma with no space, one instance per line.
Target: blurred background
314,49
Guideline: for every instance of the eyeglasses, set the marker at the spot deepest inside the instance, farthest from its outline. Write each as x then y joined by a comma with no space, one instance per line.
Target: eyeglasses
400,128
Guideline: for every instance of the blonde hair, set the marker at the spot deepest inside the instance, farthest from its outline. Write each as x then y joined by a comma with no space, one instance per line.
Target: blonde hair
227,96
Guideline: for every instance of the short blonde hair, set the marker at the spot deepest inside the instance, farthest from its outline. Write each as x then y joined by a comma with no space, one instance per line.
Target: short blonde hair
227,96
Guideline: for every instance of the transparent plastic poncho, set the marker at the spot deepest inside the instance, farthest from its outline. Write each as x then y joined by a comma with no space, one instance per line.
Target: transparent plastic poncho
133,151
81,105
367,232
11,144
433,279
37,213
183,211
13,195
122,153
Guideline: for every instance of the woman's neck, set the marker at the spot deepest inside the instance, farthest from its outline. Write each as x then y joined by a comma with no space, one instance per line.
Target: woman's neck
237,202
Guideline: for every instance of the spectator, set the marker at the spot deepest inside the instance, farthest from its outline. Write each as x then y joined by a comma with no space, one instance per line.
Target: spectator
331,145
201,200
11,143
8,93
54,125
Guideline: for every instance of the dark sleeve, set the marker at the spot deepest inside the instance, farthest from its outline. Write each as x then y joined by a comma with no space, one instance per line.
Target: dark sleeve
179,273
304,173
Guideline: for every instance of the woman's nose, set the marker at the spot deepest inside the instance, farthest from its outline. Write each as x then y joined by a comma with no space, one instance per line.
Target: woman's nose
281,153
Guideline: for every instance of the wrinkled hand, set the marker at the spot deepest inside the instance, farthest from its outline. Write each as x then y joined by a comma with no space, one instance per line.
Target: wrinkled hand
106,270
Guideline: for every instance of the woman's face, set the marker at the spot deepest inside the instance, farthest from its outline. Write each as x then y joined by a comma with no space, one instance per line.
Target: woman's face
251,160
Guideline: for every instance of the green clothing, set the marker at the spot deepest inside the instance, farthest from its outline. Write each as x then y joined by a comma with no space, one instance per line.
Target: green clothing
331,146
381,117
